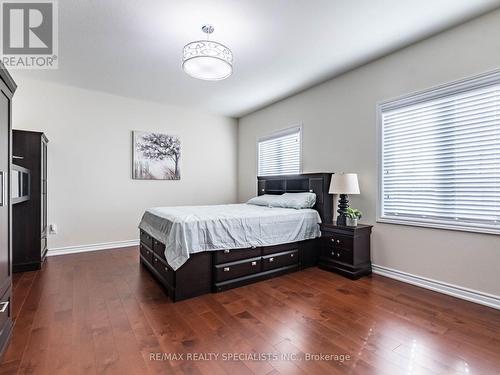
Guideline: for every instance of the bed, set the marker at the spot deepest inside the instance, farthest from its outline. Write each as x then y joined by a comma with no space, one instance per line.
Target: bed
193,250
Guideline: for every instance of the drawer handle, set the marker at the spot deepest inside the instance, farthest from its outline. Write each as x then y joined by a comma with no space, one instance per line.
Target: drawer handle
333,240
291,255
338,255
338,241
155,260
271,259
226,269
227,251
254,263
333,253
166,269
253,247
4,306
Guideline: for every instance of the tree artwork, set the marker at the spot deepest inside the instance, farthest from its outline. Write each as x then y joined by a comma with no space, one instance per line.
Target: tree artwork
156,156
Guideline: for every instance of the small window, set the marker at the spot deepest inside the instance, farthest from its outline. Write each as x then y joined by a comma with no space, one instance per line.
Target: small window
440,157
280,153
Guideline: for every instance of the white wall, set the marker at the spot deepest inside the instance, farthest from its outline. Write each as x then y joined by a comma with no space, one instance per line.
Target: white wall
91,194
339,134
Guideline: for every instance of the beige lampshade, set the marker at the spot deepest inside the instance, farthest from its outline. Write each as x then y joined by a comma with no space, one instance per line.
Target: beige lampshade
344,183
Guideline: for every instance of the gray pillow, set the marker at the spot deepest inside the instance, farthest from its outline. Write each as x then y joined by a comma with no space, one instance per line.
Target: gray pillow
296,200
287,200
268,200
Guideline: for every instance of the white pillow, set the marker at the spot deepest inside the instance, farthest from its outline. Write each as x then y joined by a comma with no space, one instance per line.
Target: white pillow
268,200
287,200
297,200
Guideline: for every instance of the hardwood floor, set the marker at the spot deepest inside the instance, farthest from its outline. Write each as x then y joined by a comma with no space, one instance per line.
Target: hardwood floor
101,312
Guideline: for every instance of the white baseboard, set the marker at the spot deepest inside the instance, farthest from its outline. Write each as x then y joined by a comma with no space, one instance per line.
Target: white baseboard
471,295
92,247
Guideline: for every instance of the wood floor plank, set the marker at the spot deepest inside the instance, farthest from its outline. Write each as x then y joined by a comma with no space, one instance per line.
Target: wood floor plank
102,313
35,358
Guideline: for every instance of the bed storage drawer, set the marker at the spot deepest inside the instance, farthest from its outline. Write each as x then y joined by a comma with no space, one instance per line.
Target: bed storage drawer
146,253
147,239
164,270
280,248
237,269
283,259
225,256
159,249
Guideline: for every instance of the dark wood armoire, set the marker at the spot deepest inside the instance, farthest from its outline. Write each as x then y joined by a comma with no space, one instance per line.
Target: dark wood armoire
7,88
29,218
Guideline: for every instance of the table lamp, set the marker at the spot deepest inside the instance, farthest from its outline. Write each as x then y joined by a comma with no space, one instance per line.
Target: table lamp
343,184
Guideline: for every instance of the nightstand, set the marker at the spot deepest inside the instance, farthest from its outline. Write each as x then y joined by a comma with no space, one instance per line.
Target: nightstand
346,250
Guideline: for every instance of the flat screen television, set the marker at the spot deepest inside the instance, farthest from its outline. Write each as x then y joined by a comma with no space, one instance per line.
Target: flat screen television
20,184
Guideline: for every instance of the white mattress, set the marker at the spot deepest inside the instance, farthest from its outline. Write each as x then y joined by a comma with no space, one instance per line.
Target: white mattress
191,229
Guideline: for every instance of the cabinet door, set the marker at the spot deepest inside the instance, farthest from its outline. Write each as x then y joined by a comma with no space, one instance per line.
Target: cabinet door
4,189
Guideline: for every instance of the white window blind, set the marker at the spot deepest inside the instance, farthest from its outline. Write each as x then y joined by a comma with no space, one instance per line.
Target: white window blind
280,153
440,157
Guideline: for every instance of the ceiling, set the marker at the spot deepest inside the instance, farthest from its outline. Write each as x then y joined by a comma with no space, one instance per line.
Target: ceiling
133,48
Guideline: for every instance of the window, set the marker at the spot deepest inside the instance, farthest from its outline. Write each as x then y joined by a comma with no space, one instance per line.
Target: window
440,157
280,153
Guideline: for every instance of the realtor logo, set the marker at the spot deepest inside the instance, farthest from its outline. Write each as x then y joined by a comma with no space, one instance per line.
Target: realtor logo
29,34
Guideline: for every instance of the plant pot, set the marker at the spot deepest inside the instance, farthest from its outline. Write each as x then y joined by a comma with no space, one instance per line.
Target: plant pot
351,222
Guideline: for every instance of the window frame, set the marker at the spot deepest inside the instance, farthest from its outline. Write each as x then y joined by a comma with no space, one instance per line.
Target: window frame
450,88
277,134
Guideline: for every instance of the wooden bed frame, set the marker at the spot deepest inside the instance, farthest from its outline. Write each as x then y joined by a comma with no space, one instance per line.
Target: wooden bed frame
215,271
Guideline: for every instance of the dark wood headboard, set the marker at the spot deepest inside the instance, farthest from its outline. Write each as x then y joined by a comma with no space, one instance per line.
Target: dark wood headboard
317,183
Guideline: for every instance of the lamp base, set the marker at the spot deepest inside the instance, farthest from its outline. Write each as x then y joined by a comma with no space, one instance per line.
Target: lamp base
343,206
341,220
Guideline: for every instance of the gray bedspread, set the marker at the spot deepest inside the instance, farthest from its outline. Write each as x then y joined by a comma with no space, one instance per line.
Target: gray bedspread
191,229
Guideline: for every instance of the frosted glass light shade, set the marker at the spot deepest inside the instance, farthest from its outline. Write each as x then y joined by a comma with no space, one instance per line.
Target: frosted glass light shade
207,60
344,183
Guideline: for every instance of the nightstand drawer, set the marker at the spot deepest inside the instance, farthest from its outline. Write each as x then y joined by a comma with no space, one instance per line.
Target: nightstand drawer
273,261
336,241
337,254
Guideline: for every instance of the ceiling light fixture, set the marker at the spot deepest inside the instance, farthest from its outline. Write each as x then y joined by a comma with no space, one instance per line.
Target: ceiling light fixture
206,59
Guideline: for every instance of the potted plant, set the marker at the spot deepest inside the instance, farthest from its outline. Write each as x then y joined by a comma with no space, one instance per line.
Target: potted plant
352,216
